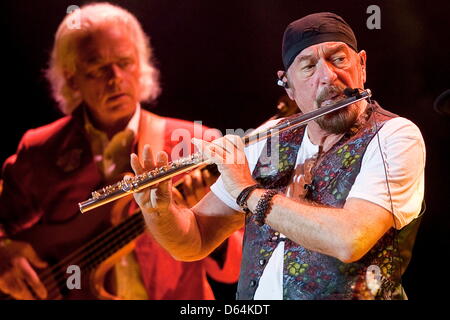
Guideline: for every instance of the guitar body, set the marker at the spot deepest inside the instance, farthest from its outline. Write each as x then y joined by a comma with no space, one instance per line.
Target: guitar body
98,277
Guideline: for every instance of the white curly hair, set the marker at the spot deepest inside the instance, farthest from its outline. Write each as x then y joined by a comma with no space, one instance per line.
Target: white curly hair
64,54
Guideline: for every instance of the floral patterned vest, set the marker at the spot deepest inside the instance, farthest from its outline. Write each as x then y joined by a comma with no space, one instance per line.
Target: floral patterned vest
312,275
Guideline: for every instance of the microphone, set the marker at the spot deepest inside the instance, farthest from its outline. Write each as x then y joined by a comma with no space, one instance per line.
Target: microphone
282,82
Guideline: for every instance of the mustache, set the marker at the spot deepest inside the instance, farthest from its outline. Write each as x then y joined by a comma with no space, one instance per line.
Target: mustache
328,93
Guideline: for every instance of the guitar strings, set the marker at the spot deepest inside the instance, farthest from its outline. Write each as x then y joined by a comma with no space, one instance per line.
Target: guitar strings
89,262
90,256
134,223
73,255
108,240
93,244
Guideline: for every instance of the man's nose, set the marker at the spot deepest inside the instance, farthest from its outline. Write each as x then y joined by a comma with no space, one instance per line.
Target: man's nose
326,73
115,75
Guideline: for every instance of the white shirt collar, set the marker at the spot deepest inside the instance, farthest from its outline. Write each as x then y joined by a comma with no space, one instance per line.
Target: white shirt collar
134,121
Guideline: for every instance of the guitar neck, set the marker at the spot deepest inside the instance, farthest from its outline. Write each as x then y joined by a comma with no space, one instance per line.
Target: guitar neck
112,240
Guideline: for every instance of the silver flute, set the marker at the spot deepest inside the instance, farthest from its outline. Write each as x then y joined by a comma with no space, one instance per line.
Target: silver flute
147,179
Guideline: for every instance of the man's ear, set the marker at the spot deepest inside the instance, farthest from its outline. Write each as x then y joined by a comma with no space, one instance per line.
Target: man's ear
363,61
283,81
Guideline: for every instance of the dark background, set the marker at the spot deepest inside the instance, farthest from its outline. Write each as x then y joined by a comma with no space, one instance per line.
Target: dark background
218,63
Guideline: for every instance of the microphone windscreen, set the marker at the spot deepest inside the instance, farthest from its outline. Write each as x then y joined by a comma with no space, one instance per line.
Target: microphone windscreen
349,92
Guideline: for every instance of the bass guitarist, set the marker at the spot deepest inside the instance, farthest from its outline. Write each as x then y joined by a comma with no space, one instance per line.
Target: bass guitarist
99,73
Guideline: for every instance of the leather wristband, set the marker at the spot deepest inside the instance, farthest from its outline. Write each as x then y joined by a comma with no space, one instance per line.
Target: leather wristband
264,206
242,198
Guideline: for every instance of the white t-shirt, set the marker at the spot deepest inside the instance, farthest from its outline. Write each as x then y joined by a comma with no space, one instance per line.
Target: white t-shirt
403,150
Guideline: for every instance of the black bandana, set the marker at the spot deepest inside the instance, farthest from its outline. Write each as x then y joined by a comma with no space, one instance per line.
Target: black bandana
313,29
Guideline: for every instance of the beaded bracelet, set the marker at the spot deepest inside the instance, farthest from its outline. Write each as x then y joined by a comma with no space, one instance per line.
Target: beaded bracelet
263,207
242,198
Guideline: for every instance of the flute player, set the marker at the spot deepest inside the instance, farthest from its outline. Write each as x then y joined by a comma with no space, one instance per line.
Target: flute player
335,217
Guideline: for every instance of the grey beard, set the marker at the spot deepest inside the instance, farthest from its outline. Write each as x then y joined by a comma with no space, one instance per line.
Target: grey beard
340,121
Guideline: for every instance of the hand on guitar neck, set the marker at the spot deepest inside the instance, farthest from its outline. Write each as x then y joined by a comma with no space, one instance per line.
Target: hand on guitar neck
17,275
